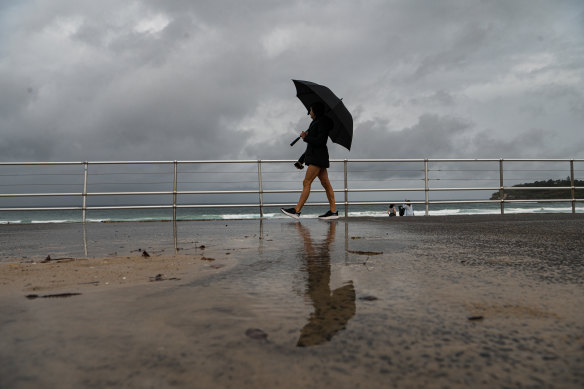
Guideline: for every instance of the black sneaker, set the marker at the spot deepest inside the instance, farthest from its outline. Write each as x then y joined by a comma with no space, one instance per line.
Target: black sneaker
298,165
329,215
290,212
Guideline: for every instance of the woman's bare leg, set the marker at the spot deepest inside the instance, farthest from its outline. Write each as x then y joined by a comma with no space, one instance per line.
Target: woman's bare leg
311,173
328,188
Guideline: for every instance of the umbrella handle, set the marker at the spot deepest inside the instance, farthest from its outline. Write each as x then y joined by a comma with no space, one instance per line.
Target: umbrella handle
294,142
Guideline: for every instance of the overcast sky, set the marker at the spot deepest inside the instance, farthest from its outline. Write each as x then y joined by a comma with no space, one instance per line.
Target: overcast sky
209,79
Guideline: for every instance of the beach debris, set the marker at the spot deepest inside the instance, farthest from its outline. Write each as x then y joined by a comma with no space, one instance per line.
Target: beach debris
160,277
89,283
359,252
476,317
57,295
145,254
368,298
256,333
49,259
202,247
207,259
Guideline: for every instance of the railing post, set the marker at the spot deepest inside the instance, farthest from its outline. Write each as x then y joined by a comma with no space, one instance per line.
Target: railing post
84,206
426,186
501,190
573,190
174,190
260,189
346,190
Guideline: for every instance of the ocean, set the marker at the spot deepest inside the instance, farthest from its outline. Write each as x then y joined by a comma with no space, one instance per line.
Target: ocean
144,215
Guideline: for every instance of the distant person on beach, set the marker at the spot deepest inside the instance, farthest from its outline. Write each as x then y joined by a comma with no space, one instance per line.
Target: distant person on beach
409,208
402,210
391,211
316,157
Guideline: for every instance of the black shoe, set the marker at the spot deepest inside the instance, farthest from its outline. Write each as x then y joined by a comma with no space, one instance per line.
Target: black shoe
329,215
290,212
298,165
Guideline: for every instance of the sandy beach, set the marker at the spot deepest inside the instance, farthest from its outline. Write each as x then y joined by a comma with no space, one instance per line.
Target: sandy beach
481,301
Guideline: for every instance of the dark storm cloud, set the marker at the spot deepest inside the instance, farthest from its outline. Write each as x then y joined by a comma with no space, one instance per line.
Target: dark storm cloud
211,79
432,136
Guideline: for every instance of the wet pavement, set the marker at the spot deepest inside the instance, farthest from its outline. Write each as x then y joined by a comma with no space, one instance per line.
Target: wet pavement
365,302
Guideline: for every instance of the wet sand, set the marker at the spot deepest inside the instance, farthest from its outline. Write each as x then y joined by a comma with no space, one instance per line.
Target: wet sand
481,301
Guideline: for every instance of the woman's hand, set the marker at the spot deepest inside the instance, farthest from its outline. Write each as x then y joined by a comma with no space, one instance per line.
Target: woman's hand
303,134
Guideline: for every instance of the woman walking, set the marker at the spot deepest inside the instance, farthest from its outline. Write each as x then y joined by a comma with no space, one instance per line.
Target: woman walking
316,158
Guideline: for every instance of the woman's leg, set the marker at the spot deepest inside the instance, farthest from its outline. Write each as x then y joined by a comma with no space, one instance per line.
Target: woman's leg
311,173
326,184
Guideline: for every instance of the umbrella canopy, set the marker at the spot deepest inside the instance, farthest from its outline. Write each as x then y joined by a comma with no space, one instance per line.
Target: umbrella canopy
310,93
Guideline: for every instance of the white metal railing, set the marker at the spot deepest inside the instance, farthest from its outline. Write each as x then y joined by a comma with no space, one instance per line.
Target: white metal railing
259,189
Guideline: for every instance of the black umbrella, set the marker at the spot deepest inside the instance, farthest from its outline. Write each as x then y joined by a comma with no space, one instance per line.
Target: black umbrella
310,93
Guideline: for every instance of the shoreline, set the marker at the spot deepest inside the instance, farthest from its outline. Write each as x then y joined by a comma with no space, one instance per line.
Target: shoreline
213,214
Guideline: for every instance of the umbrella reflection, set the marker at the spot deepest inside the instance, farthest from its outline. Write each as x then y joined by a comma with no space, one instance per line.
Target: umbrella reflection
332,309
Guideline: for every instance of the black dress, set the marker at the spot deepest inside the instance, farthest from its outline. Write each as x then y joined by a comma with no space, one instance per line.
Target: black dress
316,138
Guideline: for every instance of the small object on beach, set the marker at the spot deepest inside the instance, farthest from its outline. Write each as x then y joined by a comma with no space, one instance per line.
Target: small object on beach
368,298
473,318
207,259
256,333
202,247
49,259
145,254
58,295
160,277
361,252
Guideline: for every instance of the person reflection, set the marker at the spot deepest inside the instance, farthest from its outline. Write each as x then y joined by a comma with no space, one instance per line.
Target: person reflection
332,310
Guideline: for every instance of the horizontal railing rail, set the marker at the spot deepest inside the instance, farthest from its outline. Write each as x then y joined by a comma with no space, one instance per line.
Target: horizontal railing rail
349,187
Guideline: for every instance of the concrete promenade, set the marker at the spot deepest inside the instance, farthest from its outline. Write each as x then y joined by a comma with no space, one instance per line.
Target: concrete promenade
458,301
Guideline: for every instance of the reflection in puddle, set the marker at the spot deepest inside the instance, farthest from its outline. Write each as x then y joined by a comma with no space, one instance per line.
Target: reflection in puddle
332,309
